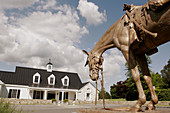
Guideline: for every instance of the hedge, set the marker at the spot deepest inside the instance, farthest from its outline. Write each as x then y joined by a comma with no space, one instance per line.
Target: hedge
163,95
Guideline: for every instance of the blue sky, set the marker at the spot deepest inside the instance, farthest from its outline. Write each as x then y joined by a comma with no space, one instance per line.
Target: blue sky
34,31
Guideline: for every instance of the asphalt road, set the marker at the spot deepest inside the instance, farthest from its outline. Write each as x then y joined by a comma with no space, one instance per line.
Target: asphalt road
75,108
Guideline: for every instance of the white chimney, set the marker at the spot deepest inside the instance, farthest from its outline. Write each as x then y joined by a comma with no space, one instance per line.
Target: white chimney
49,66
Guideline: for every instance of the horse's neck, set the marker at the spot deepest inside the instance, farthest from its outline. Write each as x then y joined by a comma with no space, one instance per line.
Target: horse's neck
105,42
101,46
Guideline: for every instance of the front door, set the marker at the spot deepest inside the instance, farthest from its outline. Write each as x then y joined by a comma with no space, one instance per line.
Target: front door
51,95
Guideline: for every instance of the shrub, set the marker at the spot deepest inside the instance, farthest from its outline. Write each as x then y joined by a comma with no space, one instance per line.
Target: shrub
54,100
65,100
131,96
6,107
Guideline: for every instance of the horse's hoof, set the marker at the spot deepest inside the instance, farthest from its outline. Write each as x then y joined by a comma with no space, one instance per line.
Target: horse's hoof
136,109
150,107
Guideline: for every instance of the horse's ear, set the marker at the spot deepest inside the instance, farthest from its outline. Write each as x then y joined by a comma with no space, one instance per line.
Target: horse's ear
84,51
86,63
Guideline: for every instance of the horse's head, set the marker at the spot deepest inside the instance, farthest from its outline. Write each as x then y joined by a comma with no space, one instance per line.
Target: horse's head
95,64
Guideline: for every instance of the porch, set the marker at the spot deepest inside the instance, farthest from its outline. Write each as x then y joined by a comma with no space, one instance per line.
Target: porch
59,95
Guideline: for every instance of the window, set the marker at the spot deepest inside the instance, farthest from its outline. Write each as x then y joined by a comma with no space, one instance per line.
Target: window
88,90
65,95
65,81
38,95
36,78
88,96
51,80
49,67
14,93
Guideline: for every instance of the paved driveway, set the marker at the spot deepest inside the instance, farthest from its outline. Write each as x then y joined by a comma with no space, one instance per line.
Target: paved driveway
48,108
58,108
72,108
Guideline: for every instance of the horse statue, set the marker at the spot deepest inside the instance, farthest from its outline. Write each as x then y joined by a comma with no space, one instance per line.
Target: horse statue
138,32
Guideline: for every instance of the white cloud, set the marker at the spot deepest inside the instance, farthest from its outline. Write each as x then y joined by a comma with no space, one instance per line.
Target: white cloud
50,4
31,39
9,4
35,38
90,11
47,5
113,64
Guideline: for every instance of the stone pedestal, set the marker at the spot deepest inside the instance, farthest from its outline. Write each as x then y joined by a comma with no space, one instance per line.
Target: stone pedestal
99,110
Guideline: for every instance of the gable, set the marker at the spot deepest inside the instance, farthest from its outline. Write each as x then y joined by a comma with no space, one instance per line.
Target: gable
88,87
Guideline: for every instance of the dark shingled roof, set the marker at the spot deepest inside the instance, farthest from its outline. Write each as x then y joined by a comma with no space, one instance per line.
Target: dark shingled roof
24,76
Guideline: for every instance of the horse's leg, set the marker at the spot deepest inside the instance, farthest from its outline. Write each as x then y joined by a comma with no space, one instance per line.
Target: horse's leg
144,68
129,56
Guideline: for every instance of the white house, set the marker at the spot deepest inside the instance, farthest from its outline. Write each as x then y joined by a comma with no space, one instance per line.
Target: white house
31,83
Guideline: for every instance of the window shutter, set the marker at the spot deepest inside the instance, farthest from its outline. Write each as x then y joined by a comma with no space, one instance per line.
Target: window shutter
9,94
18,94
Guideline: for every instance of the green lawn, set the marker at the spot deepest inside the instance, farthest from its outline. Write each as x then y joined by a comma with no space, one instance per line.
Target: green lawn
119,99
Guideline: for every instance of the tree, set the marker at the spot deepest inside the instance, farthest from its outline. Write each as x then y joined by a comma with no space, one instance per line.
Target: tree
118,90
157,80
127,89
106,95
165,72
113,92
128,73
131,92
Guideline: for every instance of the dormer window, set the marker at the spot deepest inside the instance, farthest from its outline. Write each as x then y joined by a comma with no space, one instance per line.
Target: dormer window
65,81
36,78
51,80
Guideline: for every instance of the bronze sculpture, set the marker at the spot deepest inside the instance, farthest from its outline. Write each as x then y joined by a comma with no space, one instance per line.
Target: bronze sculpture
135,34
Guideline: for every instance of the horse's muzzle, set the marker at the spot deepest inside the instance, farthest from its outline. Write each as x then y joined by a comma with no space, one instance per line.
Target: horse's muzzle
93,78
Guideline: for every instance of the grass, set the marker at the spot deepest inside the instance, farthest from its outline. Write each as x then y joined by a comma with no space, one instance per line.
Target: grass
119,99
6,107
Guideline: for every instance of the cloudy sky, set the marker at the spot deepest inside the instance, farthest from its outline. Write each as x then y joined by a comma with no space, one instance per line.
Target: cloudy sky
32,31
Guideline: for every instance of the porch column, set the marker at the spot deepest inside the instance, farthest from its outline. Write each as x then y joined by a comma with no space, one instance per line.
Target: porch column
56,95
45,95
0,89
31,94
62,96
